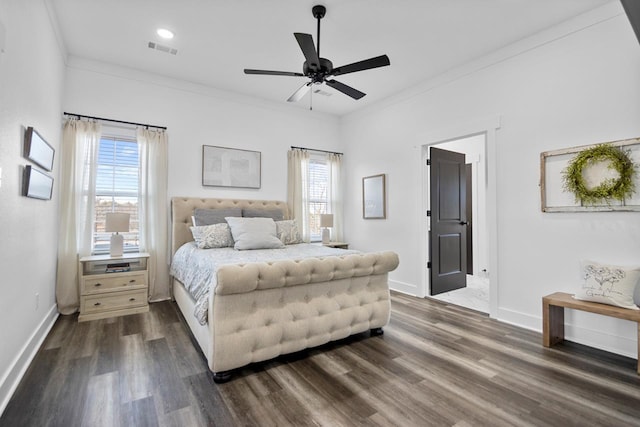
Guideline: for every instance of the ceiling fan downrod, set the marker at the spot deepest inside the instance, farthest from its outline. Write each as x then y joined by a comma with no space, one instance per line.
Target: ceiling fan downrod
318,12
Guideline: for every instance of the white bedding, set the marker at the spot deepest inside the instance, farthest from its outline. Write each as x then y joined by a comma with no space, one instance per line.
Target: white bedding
196,268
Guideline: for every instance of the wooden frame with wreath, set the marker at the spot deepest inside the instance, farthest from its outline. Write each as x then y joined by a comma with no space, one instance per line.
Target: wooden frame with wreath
598,177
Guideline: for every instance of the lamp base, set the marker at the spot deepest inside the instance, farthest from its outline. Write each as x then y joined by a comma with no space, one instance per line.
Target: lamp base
326,235
115,249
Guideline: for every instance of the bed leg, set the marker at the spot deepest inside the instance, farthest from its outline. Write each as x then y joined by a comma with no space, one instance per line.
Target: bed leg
376,331
221,377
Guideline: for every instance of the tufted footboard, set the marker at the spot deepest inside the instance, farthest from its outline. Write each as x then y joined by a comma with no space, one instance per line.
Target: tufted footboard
262,310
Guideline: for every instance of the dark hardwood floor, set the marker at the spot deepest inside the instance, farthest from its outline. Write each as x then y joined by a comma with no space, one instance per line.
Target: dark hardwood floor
436,364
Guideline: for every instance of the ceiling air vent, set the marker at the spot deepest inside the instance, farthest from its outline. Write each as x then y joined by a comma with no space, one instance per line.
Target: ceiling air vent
162,48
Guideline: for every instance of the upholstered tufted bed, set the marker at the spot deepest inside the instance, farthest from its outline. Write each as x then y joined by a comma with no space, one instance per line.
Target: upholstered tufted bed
259,310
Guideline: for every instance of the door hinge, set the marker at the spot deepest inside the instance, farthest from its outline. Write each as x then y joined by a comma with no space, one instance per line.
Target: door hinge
429,264
428,213
428,162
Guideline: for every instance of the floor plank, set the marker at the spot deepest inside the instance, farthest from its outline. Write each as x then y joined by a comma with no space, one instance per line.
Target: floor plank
435,365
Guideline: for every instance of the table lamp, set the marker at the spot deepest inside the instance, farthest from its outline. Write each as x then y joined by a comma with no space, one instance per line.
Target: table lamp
116,223
326,222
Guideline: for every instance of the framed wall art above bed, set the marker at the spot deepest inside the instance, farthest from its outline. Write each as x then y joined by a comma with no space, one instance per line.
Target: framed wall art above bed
230,167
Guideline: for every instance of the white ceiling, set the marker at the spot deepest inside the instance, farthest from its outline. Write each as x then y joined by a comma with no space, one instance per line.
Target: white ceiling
217,39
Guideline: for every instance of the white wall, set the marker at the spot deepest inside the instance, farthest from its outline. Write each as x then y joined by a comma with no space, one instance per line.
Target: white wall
31,87
197,115
574,84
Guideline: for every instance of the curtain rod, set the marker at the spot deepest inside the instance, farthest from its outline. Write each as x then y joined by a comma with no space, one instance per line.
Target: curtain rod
319,151
114,121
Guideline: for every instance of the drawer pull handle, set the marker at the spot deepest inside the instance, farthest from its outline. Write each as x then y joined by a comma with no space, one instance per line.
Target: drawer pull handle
132,281
132,299
98,284
96,304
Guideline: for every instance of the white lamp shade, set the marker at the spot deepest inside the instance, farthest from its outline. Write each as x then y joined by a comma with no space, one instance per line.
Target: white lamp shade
117,222
326,220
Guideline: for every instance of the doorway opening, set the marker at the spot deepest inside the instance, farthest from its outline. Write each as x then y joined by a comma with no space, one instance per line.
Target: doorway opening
456,196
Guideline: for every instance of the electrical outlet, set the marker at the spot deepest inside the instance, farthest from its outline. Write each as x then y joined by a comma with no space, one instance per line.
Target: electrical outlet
37,300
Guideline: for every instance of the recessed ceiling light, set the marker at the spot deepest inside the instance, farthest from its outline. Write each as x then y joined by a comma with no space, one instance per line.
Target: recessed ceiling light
164,33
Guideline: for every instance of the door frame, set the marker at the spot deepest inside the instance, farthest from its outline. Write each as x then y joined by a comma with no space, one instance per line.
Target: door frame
488,127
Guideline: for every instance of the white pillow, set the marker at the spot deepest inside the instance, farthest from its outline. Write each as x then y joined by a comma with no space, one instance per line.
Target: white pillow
287,232
254,233
608,284
212,236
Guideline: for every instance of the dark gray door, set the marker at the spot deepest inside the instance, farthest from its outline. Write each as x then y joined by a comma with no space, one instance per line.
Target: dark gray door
469,171
448,234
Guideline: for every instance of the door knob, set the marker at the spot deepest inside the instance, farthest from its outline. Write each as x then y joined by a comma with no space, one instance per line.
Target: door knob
463,223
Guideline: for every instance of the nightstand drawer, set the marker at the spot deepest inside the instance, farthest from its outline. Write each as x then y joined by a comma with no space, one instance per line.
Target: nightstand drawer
114,301
94,285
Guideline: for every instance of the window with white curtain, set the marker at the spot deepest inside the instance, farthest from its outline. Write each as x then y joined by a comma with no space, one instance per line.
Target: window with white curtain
116,190
314,188
318,193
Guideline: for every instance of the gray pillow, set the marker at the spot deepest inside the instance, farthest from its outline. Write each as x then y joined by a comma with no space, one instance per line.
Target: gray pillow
254,233
213,216
274,214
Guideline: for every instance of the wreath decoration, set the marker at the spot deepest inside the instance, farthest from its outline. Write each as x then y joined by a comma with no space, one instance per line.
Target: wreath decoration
608,189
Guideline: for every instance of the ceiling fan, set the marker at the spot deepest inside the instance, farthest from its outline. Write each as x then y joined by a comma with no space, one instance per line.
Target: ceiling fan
320,70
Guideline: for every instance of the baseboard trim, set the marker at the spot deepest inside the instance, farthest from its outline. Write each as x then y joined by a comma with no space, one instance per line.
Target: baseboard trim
405,288
16,371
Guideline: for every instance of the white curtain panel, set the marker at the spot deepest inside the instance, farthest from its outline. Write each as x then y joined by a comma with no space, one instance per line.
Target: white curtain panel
77,192
335,195
298,190
154,209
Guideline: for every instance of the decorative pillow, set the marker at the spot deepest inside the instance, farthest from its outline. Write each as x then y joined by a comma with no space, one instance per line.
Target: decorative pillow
212,236
608,284
254,233
287,232
213,216
274,214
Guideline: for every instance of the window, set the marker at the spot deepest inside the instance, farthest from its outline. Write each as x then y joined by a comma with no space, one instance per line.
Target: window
318,194
314,188
117,179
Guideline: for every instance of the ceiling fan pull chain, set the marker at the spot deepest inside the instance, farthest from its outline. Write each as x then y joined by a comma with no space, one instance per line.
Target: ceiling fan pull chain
311,100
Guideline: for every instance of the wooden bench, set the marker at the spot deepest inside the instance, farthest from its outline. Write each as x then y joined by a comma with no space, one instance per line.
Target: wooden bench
553,316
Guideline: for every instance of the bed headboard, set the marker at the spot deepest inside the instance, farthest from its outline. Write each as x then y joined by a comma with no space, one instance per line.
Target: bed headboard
182,210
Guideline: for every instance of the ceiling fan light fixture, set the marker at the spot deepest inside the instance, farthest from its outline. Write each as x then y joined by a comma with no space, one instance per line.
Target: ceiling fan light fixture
165,34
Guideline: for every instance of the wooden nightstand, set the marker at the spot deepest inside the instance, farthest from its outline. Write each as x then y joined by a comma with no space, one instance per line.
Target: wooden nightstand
337,245
113,286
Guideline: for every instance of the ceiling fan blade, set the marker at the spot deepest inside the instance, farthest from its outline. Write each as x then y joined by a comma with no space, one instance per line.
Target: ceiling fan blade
367,64
308,49
347,90
273,73
298,94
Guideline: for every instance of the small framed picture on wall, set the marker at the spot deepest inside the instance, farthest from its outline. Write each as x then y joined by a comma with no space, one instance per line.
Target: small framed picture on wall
374,197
